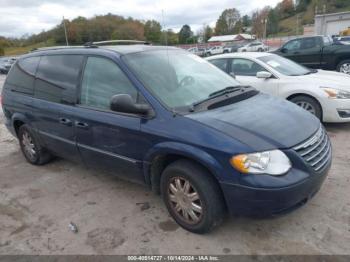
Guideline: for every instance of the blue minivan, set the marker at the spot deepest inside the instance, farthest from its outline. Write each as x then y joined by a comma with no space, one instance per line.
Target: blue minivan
168,119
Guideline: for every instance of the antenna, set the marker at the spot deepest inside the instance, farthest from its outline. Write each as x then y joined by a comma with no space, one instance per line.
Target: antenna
165,32
65,31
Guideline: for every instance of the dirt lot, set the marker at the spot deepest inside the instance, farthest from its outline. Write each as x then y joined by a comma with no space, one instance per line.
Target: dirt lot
117,217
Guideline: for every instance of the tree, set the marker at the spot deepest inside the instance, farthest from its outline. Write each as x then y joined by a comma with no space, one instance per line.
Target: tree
227,20
246,21
172,37
208,33
272,22
153,31
259,18
185,34
129,31
2,51
238,28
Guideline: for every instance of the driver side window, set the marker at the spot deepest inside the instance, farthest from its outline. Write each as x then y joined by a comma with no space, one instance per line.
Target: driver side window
244,67
293,45
103,79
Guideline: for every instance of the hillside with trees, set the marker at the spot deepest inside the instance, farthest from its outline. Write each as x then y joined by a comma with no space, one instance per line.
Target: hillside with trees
286,18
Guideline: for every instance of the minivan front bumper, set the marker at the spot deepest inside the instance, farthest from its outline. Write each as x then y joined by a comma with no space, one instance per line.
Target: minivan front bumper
243,200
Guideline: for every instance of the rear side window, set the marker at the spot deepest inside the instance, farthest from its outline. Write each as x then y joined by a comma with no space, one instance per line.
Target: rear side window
22,75
220,63
58,77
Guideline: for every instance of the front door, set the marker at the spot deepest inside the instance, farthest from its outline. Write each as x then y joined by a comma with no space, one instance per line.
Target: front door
245,71
108,140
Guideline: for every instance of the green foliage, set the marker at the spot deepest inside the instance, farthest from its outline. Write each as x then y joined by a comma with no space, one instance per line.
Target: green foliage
2,51
272,22
208,32
246,21
225,25
153,31
185,34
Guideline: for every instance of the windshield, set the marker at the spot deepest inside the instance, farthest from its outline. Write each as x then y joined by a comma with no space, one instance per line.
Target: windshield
285,66
179,79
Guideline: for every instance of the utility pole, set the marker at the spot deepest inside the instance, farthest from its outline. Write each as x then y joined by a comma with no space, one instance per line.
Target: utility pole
297,28
65,31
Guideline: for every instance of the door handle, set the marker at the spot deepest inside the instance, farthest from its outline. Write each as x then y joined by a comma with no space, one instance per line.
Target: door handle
81,125
65,121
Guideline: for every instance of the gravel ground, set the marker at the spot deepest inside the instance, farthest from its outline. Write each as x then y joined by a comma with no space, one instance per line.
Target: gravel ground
118,217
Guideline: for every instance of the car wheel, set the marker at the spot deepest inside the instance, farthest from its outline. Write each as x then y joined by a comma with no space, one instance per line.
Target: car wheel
31,149
309,104
192,196
244,50
344,67
260,50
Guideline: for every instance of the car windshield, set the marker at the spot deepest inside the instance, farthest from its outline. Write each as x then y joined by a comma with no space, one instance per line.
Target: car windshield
285,66
179,79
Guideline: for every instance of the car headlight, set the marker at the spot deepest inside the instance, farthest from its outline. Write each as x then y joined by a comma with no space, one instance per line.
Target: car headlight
273,162
336,93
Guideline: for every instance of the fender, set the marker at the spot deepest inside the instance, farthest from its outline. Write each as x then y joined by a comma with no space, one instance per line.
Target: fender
185,150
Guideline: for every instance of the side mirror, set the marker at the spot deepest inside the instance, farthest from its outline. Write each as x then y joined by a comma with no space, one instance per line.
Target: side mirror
284,50
124,103
232,75
263,74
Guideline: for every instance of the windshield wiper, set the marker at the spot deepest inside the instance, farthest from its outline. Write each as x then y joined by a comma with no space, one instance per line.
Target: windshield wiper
224,91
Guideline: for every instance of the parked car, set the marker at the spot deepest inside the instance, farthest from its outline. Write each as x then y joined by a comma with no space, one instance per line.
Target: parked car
255,46
168,119
342,40
325,94
5,64
215,50
317,52
232,48
197,51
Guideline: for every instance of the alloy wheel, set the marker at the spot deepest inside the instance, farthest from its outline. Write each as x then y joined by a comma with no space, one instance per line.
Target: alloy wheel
307,106
345,68
28,146
185,200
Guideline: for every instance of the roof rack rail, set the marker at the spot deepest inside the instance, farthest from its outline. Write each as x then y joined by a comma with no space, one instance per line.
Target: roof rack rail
101,43
53,48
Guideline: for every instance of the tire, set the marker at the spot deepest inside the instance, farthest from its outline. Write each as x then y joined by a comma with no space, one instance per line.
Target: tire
344,67
37,155
309,104
212,206
260,50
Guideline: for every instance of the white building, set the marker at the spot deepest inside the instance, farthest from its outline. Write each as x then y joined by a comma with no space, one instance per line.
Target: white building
332,24
231,38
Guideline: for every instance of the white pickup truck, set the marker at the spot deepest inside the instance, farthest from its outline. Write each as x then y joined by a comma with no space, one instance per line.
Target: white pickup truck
215,50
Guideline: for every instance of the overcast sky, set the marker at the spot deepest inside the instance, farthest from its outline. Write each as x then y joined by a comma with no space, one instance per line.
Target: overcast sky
19,17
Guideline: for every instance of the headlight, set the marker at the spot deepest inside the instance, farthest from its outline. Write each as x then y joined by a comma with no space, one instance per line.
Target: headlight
336,93
273,162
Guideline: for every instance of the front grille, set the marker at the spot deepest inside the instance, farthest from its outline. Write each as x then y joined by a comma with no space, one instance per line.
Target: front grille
316,151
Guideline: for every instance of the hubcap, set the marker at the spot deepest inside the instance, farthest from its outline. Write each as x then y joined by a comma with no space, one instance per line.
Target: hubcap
28,145
184,200
345,68
307,106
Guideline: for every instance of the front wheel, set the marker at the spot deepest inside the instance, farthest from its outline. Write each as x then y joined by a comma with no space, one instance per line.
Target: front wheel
192,196
309,104
344,67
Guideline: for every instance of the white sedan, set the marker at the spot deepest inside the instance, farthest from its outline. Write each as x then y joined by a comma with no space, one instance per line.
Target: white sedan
325,94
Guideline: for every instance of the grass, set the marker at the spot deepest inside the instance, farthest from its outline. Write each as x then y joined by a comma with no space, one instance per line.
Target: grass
14,51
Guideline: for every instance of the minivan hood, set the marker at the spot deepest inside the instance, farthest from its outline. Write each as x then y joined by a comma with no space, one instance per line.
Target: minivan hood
262,122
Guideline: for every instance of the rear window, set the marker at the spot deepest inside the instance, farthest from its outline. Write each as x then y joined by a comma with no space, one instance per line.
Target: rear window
58,77
22,75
